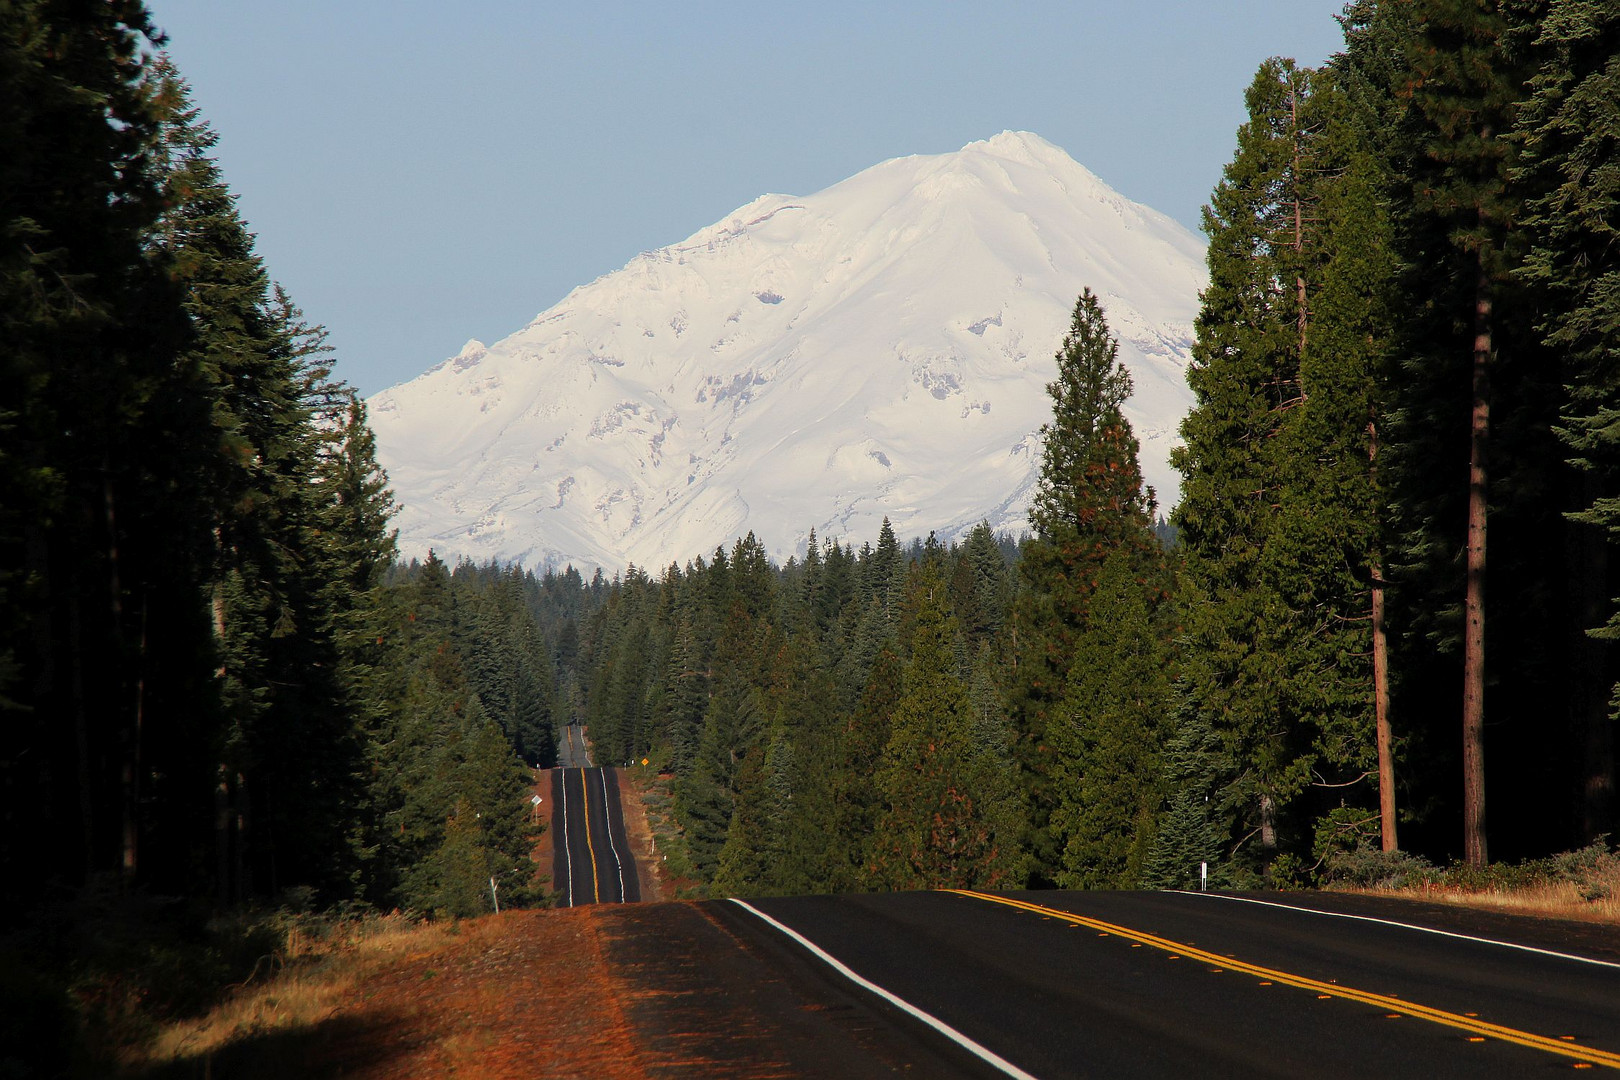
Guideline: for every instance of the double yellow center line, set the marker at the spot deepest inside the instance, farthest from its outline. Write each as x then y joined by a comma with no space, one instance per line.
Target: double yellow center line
585,802
1471,1024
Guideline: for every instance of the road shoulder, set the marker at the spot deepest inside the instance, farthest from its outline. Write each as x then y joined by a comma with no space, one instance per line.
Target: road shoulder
712,991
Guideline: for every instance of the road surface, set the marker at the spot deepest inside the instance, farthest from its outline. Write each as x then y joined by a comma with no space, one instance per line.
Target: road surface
591,863
1066,984
574,753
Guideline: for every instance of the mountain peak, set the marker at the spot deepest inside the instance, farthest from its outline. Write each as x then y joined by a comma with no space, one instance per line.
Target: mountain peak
880,348
1020,145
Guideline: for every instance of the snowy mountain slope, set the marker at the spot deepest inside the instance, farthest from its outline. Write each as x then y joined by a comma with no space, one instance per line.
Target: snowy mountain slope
879,348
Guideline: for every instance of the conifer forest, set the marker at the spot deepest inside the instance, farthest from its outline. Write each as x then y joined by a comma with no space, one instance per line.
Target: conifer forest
1378,618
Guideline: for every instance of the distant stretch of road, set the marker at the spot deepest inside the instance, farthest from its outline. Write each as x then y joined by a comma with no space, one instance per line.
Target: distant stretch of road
1067,984
592,863
574,753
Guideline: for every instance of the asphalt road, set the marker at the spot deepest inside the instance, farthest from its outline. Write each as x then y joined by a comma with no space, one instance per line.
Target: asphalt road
574,753
592,863
1064,984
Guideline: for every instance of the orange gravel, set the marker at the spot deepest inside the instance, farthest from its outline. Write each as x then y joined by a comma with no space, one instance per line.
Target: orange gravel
649,868
522,994
543,854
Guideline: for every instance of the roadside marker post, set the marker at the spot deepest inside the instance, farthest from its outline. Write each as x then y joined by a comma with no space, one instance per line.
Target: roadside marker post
1203,876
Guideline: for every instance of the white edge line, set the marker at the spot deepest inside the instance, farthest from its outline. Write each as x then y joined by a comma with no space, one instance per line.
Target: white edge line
568,849
940,1026
1408,926
608,819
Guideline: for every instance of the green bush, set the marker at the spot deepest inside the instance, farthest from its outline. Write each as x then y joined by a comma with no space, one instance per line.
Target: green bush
1593,870
1367,867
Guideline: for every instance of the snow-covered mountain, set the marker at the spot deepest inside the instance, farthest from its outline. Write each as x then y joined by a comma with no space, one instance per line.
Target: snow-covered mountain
879,348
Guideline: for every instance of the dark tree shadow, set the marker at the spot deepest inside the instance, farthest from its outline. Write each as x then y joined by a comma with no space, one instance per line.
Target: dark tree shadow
340,1046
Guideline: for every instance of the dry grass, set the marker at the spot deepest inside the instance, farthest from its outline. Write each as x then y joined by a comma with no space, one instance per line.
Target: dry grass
310,980
1558,900
499,997
1582,885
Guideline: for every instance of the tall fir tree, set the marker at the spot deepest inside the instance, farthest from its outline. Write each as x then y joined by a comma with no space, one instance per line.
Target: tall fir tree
1089,504
856,800
1570,171
1281,522
952,816
1475,384
1108,731
1464,95
1191,836
1324,555
91,324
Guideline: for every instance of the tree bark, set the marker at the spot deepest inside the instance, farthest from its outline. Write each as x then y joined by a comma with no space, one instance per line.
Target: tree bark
222,780
240,807
132,763
222,833
129,733
1474,846
81,729
1384,733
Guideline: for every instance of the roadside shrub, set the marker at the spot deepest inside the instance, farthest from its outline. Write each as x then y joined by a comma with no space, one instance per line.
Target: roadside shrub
1594,871
1367,867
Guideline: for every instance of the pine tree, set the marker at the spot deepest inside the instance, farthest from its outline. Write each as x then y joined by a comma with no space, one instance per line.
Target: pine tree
733,723
952,816
449,793
754,861
1324,554
1089,503
1191,834
807,762
987,591
884,572
1107,733
856,801
1570,127
1458,73
485,832
91,324
686,694
281,568
1279,522
1464,103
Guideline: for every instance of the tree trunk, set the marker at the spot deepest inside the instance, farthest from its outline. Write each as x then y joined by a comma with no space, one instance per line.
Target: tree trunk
1385,734
1474,848
222,784
128,734
132,763
241,809
222,833
81,728
1380,657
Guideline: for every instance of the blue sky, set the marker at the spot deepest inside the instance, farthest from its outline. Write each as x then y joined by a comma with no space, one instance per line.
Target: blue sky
422,173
